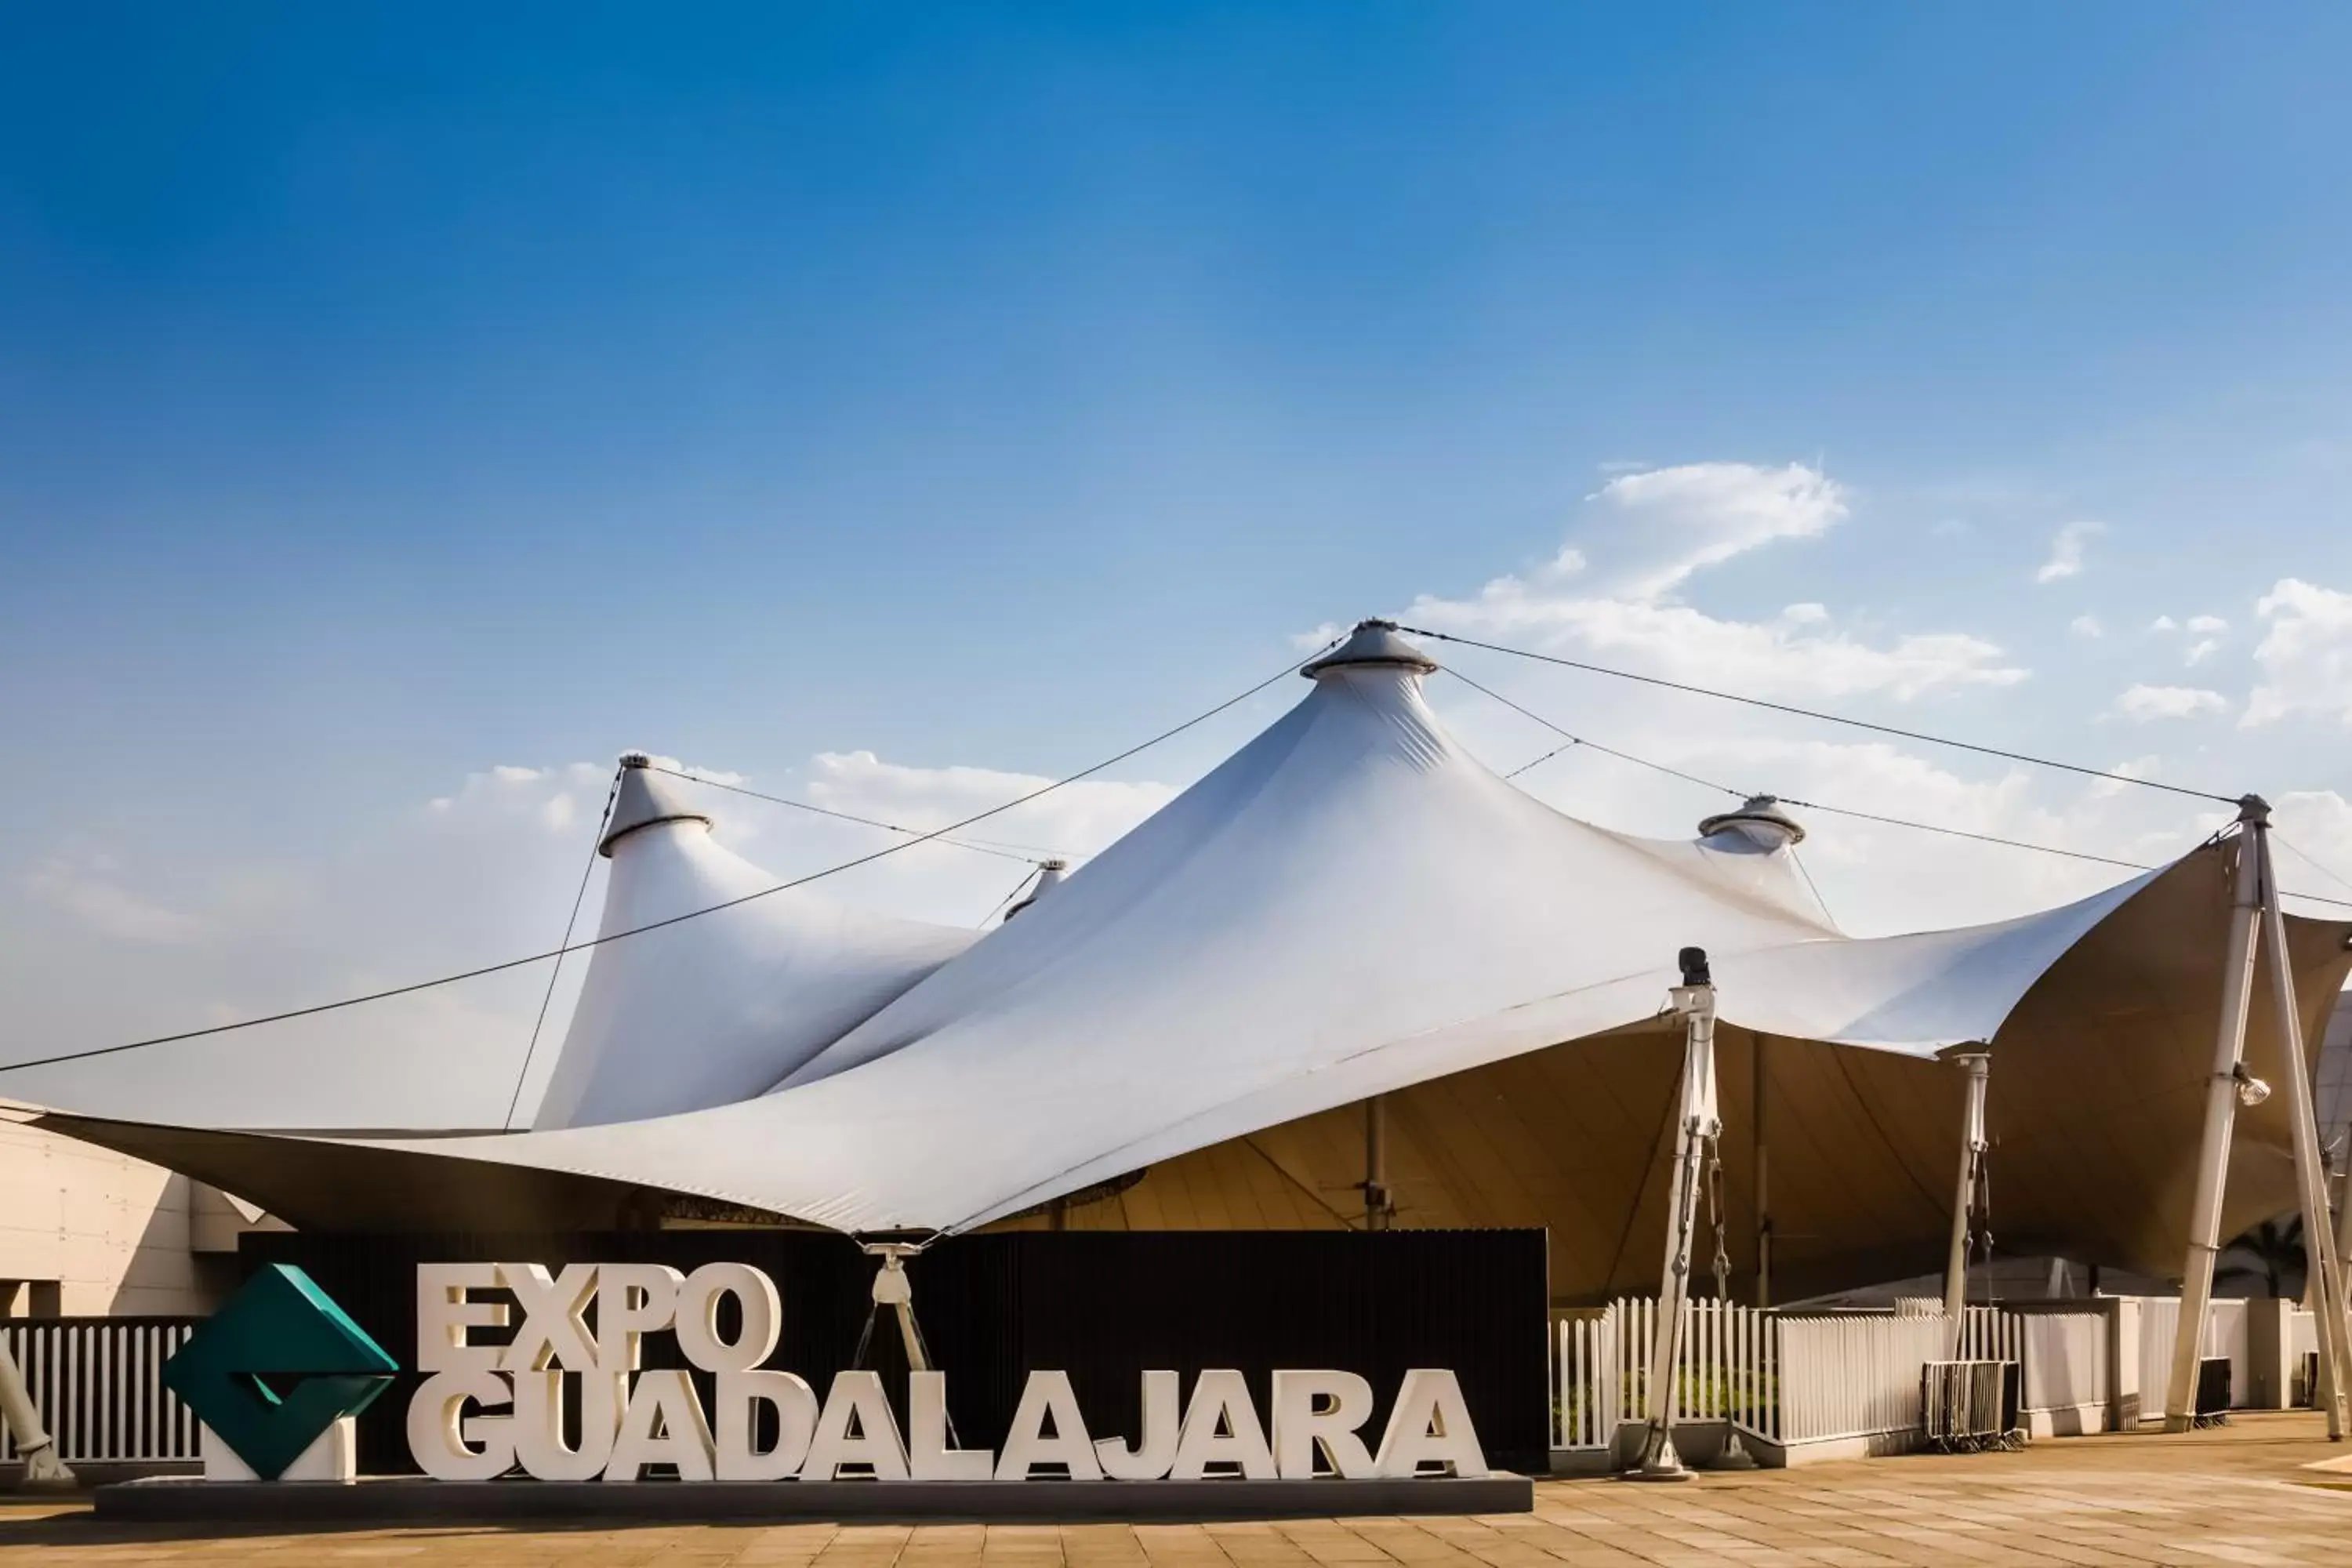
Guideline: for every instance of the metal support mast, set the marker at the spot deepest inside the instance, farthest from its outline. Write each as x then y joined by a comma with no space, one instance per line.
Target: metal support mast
2325,1279
1761,1176
2221,1094
1973,1144
1377,1207
1696,1122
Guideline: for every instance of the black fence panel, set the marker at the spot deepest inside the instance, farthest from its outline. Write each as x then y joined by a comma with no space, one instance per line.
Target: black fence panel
1103,1306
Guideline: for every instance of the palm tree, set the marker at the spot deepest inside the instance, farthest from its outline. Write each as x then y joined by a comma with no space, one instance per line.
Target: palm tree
2271,1252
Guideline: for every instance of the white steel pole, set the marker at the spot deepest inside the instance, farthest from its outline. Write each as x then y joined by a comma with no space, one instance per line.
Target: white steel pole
2323,1282
1972,1150
1763,1189
42,1465
2344,1248
2220,1111
1696,1119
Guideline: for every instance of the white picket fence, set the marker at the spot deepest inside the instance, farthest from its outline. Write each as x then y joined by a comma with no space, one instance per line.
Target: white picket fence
1792,1380
1853,1377
1787,1380
98,1383
1725,1369
1783,1378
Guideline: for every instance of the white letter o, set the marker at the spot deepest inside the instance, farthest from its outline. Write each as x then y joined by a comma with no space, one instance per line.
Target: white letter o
698,1317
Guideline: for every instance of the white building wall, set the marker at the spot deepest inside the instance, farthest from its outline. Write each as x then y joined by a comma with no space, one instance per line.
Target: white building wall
85,1232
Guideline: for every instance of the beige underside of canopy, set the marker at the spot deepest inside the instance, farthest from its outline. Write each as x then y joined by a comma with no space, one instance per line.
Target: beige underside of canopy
2096,1104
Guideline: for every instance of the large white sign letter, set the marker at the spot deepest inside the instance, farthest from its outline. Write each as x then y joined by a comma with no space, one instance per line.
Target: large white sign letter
1304,1422
444,1313
633,1299
1155,1447
698,1317
442,1438
554,1318
663,1425
1431,1425
855,1396
539,1422
1048,1395
1220,1427
929,1458
740,1394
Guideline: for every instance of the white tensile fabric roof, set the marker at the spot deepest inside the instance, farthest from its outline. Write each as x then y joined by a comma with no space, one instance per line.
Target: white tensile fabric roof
1350,904
713,1010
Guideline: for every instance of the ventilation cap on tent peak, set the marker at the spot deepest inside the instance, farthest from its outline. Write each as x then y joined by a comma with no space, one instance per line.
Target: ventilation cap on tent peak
1759,820
1372,642
1049,877
647,797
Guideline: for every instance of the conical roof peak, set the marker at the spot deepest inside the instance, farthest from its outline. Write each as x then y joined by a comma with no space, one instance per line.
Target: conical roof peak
1759,820
647,796
1050,874
1372,642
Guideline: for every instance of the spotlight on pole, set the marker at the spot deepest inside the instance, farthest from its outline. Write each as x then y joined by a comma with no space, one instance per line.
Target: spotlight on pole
2251,1090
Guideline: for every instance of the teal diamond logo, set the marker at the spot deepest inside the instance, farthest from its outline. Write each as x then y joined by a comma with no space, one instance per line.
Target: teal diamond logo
276,1367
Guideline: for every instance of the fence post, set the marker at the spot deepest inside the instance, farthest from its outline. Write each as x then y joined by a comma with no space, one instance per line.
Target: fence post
2123,1362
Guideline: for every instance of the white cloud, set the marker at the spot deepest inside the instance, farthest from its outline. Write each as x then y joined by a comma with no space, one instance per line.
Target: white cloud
2315,836
2086,627
1667,523
1321,636
2140,704
2164,624
2207,624
1077,819
549,800
1649,533
2066,551
2306,653
2122,773
2202,649
90,888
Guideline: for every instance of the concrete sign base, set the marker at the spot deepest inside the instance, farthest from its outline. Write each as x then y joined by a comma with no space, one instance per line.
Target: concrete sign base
406,1499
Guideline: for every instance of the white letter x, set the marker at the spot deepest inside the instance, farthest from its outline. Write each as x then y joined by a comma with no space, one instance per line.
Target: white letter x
554,1327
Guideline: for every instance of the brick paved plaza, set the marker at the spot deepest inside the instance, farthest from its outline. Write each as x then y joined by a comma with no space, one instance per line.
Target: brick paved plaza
2240,1495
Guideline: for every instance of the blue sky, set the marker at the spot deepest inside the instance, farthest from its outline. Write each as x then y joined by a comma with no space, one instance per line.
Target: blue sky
393,396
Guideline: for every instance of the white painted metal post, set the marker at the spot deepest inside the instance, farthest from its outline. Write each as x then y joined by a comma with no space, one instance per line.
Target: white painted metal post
1973,1142
1696,1119
2221,1113
2324,1282
42,1465
1762,1182
2344,1250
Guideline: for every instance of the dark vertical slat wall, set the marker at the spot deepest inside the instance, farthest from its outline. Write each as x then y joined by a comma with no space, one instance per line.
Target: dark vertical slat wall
1103,1306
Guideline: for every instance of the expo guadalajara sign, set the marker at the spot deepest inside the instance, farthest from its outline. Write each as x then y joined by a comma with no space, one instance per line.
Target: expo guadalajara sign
632,1418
